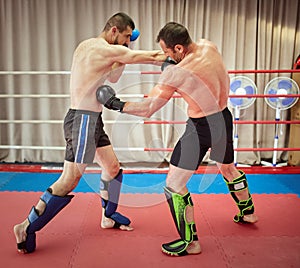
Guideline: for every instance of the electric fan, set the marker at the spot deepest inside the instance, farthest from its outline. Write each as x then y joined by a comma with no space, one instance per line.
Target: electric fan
240,85
281,86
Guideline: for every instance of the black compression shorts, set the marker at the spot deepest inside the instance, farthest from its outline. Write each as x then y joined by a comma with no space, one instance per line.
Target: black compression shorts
83,134
213,131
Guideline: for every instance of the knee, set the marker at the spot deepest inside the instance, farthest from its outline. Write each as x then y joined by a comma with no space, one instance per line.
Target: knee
229,171
65,184
113,170
63,187
176,186
169,183
225,172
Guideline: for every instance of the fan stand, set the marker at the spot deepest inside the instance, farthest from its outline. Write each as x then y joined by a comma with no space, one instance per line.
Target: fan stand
283,90
236,137
275,145
240,85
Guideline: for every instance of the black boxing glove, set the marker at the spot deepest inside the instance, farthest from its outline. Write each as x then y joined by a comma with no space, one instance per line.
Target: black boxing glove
107,96
168,61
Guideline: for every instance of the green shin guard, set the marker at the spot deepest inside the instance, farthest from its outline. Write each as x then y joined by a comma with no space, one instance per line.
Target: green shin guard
186,230
246,207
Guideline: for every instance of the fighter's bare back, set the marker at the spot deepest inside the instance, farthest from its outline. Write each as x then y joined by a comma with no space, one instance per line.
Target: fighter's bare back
201,79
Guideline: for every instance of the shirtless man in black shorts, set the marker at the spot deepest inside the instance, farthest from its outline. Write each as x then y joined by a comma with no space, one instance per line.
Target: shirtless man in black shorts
195,71
94,61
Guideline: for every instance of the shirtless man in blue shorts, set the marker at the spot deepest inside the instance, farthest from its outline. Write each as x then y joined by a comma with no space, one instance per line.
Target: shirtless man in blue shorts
94,61
195,71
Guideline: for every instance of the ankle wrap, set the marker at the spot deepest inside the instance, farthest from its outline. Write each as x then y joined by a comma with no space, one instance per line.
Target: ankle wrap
246,207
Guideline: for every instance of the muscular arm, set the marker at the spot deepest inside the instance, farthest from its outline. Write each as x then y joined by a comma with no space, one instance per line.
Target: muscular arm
158,97
125,55
115,74
122,56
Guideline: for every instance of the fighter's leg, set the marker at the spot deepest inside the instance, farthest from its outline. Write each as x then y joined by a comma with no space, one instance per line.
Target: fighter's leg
51,202
238,187
110,187
182,210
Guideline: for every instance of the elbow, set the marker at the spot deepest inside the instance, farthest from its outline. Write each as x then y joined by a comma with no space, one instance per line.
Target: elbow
114,79
143,109
143,112
148,114
152,107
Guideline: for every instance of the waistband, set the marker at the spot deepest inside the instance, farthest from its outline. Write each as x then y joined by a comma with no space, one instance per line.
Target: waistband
211,116
92,113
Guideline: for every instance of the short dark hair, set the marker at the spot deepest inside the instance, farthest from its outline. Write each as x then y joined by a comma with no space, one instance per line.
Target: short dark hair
174,34
121,20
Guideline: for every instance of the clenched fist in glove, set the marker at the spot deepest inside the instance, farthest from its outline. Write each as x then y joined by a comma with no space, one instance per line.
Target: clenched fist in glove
107,96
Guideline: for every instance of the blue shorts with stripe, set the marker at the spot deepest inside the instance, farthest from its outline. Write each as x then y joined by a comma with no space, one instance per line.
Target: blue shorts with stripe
83,132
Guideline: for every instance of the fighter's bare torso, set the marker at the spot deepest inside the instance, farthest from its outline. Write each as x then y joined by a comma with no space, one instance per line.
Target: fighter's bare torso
96,60
90,68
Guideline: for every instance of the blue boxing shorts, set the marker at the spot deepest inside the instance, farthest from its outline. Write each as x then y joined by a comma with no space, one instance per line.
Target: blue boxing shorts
213,131
84,133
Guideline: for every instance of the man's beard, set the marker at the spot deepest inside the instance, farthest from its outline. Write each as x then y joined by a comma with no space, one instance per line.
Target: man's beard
117,43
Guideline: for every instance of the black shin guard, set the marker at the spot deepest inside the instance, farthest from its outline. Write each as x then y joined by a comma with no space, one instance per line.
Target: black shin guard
246,207
186,230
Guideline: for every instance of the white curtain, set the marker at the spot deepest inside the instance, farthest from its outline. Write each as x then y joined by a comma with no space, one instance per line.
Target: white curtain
41,35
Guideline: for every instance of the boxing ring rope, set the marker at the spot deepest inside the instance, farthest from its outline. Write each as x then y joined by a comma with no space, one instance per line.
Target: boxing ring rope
146,72
145,96
145,122
151,122
139,149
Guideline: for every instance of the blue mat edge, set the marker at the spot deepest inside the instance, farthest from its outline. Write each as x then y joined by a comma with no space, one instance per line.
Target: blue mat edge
154,183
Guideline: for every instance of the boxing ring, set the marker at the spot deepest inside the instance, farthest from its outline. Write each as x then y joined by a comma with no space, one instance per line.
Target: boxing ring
75,239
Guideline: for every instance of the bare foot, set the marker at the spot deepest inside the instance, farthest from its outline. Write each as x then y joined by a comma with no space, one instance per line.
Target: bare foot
194,248
20,233
107,223
252,218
